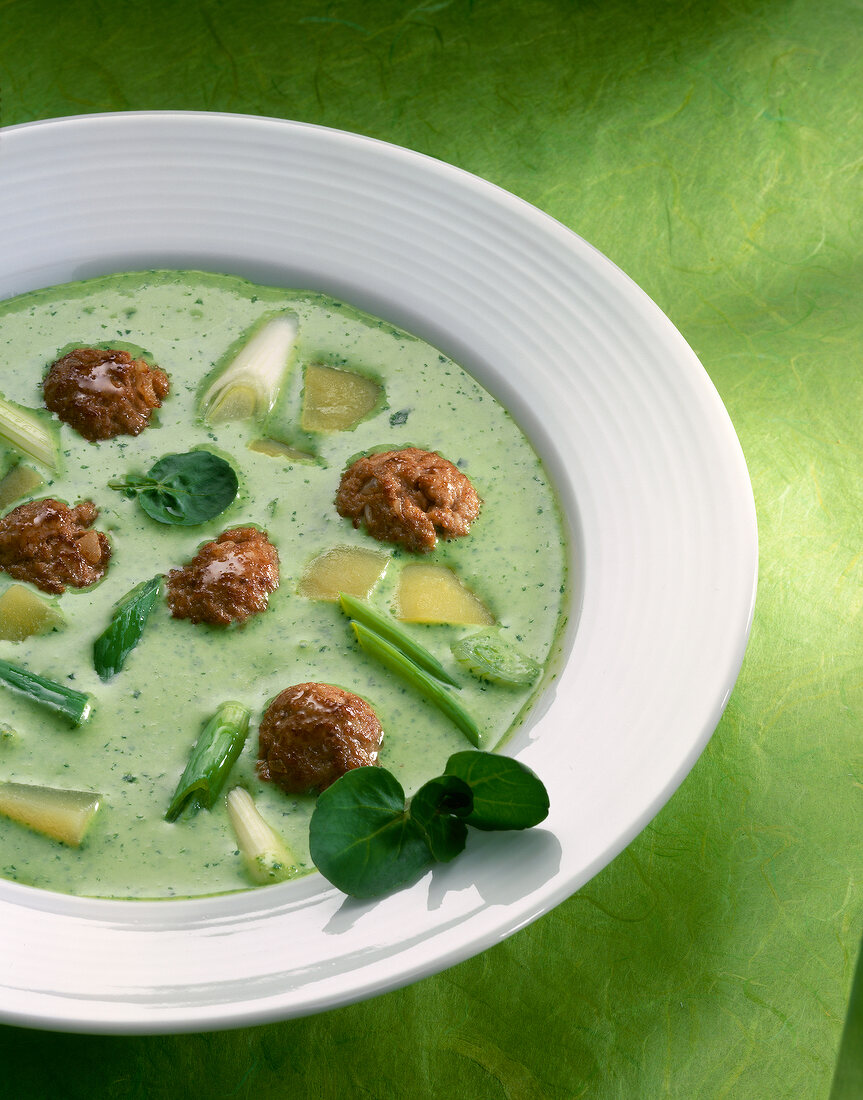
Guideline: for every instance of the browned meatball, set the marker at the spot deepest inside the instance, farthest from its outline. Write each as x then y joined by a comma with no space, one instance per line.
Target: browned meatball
49,544
313,733
104,393
402,496
227,580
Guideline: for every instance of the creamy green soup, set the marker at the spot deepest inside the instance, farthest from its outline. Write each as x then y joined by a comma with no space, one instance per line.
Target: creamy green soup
147,718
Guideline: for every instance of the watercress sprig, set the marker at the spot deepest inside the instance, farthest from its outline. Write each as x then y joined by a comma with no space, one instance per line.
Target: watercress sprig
367,839
183,489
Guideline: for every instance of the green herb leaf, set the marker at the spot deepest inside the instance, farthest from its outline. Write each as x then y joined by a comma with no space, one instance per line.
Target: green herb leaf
114,645
438,808
361,837
506,793
365,840
490,656
183,489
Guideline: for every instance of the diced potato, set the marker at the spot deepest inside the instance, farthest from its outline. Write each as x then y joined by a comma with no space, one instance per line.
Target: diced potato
19,482
335,400
274,449
23,614
56,813
431,593
351,569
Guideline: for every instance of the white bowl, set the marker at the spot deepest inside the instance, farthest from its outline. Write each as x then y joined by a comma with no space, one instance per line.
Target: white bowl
649,473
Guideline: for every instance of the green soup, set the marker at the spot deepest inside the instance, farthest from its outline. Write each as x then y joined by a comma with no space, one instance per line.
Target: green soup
147,718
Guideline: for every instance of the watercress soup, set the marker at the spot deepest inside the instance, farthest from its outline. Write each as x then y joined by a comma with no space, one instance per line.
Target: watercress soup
342,385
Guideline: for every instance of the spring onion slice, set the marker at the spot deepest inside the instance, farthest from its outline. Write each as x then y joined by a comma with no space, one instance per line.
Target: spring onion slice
213,756
74,705
385,627
24,429
247,388
432,689
114,645
490,656
264,853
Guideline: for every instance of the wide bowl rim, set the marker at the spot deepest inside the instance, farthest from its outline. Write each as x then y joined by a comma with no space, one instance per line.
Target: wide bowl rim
135,913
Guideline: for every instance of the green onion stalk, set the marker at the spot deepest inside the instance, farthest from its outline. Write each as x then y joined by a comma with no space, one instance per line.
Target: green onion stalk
427,685
74,705
212,758
25,430
387,628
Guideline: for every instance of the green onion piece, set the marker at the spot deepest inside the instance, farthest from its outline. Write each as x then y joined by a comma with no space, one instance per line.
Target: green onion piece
432,689
114,645
25,430
362,612
248,386
213,756
264,853
490,656
74,705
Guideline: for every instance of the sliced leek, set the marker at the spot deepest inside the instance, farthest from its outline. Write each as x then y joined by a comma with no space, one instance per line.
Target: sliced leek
248,386
264,853
436,692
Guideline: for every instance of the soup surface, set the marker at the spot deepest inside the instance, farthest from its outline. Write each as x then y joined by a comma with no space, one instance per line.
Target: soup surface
147,718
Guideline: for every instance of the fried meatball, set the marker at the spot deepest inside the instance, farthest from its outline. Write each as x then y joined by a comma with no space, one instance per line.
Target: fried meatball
227,580
403,496
50,545
104,393
313,733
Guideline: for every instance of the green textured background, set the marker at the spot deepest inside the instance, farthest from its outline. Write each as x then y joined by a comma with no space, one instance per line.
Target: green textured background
714,152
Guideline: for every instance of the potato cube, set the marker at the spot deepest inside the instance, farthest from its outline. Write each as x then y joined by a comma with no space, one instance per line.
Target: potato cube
351,569
23,614
335,400
431,593
56,813
19,482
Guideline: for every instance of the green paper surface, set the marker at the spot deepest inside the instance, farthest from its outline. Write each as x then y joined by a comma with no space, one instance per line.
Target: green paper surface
714,152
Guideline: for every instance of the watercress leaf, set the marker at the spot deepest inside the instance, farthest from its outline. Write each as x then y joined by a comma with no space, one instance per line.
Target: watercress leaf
361,837
195,487
183,489
506,793
438,808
